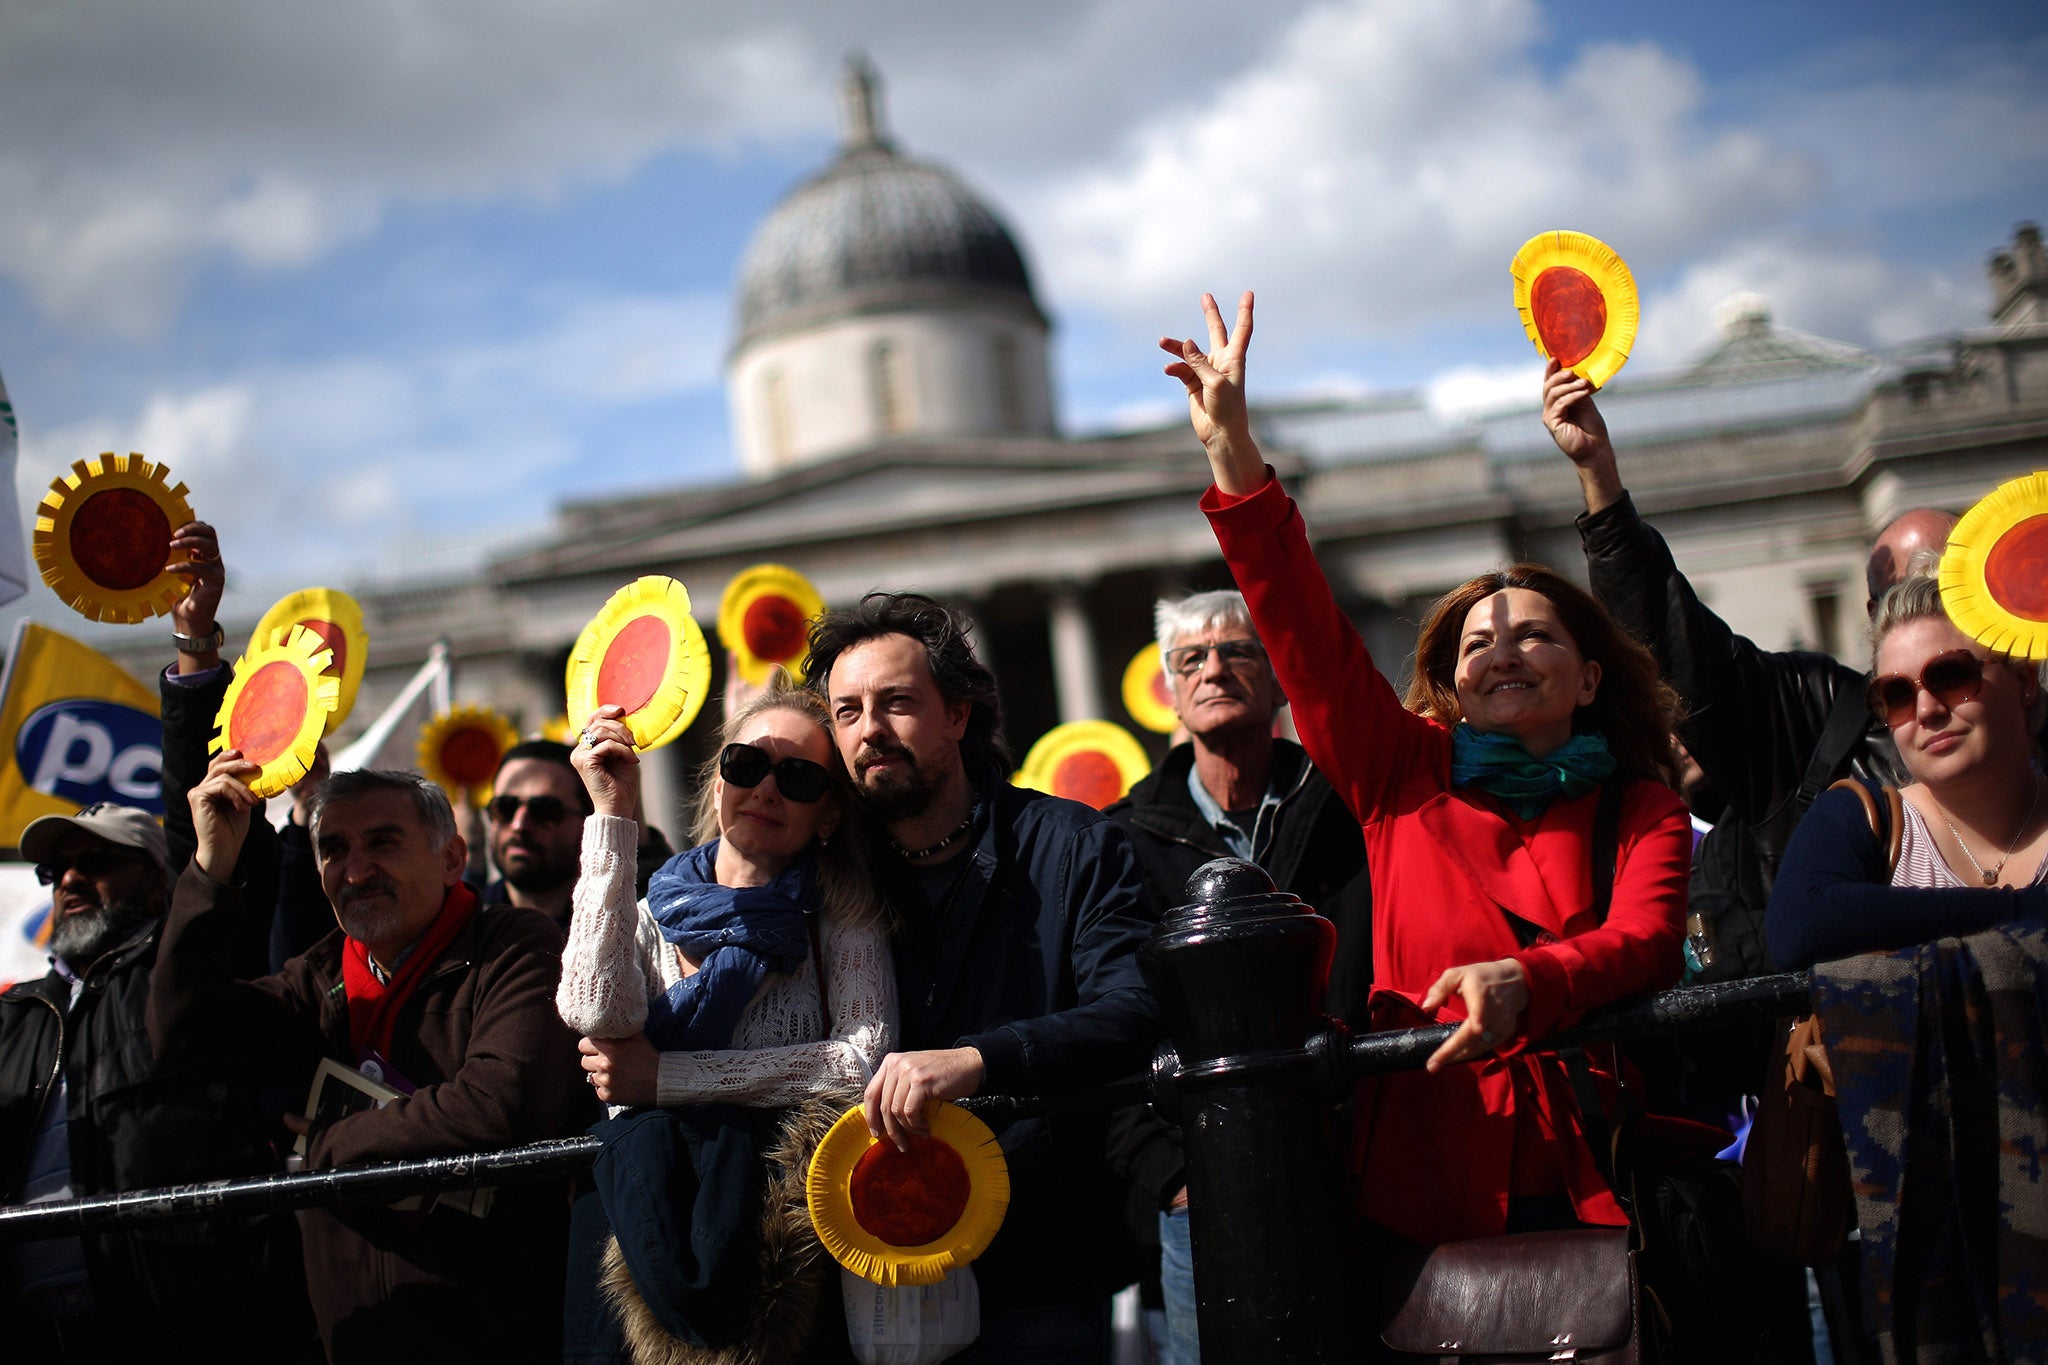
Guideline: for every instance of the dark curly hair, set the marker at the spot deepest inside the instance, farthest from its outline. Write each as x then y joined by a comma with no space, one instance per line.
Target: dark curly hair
943,633
1633,707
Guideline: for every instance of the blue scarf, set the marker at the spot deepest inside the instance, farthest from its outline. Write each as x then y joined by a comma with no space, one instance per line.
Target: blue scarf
764,925
1499,766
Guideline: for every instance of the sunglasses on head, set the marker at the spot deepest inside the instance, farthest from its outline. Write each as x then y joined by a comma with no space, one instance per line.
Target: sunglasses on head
798,779
1951,679
1187,660
92,864
542,810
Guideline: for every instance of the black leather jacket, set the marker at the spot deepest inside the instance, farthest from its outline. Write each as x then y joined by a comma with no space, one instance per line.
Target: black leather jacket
1753,717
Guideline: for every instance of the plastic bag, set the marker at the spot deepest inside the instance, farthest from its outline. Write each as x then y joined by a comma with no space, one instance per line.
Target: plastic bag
911,1324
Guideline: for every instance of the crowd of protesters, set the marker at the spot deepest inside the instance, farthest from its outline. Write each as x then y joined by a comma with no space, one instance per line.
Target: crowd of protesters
872,914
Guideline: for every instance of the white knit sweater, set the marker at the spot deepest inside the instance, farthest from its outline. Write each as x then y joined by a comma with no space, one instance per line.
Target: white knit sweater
782,1051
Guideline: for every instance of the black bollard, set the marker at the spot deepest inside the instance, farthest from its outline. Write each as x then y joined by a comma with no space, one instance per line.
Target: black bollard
1239,973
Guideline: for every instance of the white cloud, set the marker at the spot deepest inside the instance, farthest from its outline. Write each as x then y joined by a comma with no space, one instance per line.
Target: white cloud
1374,173
1475,390
1828,288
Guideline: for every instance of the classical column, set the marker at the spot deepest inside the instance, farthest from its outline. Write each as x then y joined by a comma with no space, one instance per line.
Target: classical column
1074,668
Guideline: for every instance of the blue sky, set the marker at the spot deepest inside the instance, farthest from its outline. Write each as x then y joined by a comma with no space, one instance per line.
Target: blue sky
385,284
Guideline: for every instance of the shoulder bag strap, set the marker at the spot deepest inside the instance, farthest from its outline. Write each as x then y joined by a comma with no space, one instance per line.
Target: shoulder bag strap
1848,718
818,970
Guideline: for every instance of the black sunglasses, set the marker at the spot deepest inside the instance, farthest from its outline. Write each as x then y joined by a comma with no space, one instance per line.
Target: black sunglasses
542,810
1952,679
798,779
92,864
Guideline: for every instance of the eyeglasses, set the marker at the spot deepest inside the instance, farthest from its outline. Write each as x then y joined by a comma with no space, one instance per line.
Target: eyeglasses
1951,679
541,810
1187,660
92,864
798,779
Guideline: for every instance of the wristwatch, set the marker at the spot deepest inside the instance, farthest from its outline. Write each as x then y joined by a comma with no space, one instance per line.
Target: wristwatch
200,644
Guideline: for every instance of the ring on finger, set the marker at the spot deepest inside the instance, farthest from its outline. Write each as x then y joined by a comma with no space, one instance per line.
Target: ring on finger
1486,1036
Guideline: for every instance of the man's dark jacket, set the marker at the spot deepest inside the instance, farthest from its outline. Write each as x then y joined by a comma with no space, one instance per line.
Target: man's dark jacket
140,1121
1033,960
1753,721
1317,853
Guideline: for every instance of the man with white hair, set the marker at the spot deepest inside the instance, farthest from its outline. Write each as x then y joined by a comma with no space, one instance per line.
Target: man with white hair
1233,790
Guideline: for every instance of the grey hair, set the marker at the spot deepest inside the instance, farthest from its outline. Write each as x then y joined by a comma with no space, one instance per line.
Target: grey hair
1176,618
429,802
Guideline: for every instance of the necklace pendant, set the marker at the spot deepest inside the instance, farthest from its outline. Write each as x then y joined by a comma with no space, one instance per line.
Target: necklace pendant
1991,877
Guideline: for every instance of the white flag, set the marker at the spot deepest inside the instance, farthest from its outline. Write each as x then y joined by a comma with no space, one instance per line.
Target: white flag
13,544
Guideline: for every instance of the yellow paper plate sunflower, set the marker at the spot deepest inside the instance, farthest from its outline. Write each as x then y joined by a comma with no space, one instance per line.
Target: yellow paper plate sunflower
643,652
276,708
1148,692
103,536
901,1218
1090,761
764,618
1577,301
460,751
336,618
1994,574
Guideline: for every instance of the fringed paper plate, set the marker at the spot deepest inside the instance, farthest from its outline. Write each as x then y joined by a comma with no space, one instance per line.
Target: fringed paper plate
1091,761
1577,301
460,751
644,653
103,536
1994,573
764,618
1148,692
276,709
900,1218
337,619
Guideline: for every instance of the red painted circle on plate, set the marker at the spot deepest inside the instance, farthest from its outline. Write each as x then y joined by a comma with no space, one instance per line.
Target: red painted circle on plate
774,628
1570,313
1090,777
269,711
2016,570
635,665
335,638
1162,689
470,755
909,1199
121,538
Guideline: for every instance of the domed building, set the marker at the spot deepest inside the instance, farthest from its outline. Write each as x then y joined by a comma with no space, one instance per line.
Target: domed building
882,300
895,429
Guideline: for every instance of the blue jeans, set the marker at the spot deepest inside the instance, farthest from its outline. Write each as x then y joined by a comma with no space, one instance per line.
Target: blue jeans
1177,1287
1077,1333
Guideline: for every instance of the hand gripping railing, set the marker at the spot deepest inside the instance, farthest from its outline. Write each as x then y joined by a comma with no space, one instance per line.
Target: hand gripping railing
1238,972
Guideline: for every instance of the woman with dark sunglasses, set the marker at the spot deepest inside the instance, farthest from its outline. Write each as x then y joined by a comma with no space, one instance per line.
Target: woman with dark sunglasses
754,977
1973,844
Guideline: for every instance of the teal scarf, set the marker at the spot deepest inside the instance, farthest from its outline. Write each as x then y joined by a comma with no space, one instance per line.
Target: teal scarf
1501,767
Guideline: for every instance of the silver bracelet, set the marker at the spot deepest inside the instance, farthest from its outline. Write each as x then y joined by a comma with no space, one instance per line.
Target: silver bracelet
200,644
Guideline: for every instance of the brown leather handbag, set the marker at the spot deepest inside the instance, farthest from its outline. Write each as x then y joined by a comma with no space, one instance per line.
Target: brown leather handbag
1569,1295
1796,1197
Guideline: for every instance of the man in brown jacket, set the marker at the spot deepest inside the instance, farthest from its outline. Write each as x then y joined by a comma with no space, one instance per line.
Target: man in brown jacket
449,1004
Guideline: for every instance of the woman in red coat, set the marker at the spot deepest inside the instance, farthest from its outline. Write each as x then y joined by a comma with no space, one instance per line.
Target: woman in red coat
1477,799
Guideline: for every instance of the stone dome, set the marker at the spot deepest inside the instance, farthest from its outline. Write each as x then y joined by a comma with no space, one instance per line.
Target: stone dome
874,232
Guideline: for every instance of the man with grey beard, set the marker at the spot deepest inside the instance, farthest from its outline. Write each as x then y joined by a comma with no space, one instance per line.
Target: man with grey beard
87,1107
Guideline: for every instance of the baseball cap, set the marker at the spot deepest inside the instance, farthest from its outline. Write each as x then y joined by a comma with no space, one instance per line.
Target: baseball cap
123,825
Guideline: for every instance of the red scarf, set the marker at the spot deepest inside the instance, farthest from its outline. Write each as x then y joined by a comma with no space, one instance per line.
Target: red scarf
373,1005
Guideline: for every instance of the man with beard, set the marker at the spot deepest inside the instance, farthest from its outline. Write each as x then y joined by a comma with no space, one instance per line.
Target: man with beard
87,1107
536,813
451,1007
1015,960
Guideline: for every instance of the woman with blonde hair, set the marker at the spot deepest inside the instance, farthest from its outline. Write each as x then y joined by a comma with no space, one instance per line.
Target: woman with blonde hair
755,977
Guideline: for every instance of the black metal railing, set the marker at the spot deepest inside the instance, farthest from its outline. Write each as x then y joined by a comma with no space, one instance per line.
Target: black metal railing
1685,1010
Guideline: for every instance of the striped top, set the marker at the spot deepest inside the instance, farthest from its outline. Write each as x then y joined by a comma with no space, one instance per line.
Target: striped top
1921,863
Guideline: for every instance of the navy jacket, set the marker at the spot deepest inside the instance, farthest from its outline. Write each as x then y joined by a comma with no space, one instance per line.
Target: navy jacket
1034,963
